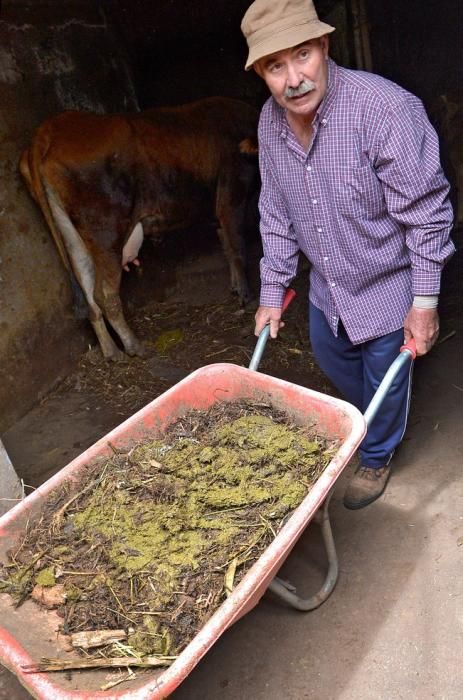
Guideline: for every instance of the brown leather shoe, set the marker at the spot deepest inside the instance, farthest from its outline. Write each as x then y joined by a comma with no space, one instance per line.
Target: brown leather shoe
366,486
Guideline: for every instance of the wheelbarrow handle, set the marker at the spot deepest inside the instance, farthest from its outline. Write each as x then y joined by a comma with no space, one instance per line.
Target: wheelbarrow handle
410,347
265,332
289,296
407,354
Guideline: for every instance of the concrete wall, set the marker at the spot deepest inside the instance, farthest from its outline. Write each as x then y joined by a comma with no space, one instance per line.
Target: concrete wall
54,55
418,45
182,50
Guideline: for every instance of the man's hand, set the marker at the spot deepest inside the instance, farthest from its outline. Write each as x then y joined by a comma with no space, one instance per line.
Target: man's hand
423,326
271,315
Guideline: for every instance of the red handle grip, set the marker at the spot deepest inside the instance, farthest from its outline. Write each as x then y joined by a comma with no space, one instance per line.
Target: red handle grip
289,296
411,347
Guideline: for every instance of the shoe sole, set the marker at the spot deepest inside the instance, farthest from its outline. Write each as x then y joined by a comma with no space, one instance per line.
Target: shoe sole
356,505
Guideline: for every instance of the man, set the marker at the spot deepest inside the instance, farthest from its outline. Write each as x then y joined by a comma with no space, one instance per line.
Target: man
351,177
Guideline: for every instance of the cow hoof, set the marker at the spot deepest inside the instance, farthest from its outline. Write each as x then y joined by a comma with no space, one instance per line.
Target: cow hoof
243,293
137,349
116,356
244,296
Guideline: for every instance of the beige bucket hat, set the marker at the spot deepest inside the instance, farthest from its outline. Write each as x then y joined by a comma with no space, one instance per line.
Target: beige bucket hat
274,25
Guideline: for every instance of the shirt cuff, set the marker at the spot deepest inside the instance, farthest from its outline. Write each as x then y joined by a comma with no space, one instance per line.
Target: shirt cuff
272,295
426,301
426,283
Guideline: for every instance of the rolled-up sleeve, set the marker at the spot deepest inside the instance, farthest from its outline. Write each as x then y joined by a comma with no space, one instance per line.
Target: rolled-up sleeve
416,191
278,265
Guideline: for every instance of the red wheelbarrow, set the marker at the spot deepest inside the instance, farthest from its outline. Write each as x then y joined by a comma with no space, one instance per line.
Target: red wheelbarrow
29,633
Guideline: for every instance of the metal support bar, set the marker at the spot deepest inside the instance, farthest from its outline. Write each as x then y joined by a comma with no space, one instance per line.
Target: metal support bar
287,592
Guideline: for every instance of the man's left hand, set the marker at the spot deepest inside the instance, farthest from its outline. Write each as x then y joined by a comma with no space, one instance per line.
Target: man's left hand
423,326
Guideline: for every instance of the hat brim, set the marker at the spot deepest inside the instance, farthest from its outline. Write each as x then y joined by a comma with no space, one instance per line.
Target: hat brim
286,39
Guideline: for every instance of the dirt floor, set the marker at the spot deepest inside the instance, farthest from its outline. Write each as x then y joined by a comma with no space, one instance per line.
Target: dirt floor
392,628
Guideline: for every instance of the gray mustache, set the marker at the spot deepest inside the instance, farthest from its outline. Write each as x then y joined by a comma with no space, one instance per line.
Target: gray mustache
301,89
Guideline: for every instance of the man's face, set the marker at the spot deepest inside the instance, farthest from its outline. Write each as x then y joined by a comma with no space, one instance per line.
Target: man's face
297,77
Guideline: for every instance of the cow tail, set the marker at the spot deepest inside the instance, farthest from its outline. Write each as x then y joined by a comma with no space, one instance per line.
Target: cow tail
29,167
79,302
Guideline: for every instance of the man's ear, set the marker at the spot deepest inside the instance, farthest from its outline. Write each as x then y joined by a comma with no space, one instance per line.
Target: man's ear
325,44
257,68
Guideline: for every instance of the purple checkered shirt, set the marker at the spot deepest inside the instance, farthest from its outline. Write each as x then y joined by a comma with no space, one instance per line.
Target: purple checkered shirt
367,204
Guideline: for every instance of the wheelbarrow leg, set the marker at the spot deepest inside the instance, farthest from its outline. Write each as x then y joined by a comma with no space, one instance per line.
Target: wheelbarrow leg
287,592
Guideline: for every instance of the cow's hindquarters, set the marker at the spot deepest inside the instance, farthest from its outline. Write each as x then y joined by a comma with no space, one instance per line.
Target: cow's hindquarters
86,270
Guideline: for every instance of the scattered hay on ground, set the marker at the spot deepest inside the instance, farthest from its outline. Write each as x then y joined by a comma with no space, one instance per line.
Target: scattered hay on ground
180,338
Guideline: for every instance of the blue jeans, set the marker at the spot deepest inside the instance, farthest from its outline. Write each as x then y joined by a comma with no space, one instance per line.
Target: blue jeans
356,371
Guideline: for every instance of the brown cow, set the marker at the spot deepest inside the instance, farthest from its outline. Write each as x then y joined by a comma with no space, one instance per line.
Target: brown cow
97,177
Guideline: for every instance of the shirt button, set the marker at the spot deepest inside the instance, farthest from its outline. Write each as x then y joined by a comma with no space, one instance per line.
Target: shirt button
323,121
325,258
319,230
314,201
333,284
309,167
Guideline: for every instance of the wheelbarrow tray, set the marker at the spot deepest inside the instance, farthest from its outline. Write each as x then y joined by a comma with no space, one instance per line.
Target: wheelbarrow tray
29,633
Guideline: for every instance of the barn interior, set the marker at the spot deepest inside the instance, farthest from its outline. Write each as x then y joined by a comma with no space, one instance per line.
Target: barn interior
391,627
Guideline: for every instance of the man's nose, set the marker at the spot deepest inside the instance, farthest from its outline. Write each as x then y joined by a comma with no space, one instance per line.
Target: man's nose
294,76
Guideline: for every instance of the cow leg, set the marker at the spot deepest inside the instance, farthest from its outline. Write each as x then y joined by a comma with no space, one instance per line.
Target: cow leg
107,283
85,270
231,217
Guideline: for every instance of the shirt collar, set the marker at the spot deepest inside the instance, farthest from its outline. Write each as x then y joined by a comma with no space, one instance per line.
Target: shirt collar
326,105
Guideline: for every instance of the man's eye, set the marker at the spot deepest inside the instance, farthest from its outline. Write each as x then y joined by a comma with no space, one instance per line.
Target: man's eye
304,53
275,67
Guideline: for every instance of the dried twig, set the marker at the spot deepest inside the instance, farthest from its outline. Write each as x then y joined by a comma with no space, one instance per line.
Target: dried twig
96,638
58,517
110,684
72,664
230,576
446,337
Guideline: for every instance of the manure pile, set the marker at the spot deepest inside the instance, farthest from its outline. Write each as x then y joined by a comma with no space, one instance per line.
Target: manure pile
157,537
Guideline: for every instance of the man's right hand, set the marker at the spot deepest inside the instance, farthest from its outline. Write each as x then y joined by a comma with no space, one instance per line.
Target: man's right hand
271,315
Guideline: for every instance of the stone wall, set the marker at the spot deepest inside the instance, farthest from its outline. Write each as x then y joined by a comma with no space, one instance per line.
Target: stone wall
418,45
54,55
182,50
